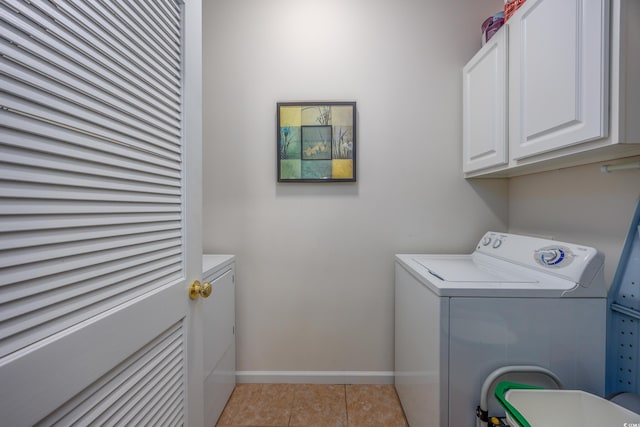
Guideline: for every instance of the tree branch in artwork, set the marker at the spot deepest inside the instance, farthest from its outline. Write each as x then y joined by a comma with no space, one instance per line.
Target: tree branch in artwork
325,115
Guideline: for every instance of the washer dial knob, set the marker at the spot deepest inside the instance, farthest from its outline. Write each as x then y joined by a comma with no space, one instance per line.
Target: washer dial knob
486,240
553,256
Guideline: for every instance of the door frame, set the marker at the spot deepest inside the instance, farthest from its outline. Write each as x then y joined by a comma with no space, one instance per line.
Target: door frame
192,212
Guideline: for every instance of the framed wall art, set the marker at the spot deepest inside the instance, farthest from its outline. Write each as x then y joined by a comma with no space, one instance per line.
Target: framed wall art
316,141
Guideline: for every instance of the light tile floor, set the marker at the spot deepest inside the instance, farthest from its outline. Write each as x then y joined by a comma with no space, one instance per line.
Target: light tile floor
313,405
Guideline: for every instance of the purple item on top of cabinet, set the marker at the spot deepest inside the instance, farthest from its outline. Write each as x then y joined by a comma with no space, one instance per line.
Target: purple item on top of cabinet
491,26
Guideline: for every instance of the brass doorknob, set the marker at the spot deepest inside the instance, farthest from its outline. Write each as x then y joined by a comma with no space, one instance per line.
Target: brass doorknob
198,289
206,289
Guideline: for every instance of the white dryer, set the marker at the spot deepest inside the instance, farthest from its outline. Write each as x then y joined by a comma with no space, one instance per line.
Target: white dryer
516,300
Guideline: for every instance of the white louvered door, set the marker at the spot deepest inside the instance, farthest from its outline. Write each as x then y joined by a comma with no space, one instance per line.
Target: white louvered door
100,133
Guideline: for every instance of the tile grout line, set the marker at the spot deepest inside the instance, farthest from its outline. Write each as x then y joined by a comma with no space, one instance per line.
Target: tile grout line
346,405
293,399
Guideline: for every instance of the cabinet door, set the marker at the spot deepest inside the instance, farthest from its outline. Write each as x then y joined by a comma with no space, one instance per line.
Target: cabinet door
557,75
219,343
484,83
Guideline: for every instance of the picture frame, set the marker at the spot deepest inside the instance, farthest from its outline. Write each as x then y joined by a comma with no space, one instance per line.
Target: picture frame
316,141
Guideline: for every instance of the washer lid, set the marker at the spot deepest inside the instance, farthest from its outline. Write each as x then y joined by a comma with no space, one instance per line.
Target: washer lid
479,275
466,270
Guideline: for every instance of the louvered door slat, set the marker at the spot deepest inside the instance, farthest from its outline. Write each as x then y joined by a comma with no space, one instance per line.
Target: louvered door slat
36,308
38,136
103,274
47,191
61,58
12,223
60,63
162,29
39,237
59,217
47,15
114,409
163,41
161,16
82,175
120,28
41,146
39,253
151,415
65,305
150,403
173,413
54,266
43,105
128,25
101,403
79,179
170,7
127,47
142,386
28,159
30,25
72,82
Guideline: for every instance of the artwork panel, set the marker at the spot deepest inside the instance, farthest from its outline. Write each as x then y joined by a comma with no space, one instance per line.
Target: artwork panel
342,115
316,169
290,115
290,169
316,142
316,115
342,147
342,169
290,142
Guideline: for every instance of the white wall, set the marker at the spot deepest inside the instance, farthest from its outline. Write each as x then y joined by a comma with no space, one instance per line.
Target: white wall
315,262
580,205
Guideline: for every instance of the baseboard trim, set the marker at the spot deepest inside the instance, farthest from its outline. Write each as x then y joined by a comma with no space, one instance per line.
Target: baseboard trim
314,377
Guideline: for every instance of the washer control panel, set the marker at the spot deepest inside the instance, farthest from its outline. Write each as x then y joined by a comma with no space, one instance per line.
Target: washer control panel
567,260
553,256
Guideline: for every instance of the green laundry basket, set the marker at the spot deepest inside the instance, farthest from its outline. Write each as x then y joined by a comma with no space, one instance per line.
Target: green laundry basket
530,406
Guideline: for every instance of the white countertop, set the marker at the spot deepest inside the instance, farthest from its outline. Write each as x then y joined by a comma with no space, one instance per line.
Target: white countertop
215,262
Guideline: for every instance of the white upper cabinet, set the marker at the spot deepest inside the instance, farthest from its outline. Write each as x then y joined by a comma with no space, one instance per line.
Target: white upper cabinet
484,99
570,86
558,79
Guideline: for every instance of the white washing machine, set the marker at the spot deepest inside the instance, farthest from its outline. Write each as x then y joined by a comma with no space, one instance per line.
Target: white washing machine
515,300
